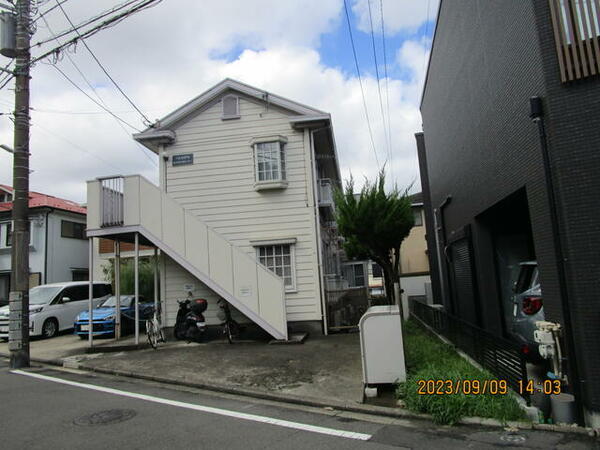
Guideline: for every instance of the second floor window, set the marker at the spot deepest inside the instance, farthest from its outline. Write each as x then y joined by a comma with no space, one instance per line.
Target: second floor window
270,161
73,230
8,235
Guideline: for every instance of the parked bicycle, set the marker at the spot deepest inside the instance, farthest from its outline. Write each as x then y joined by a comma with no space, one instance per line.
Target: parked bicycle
231,329
154,330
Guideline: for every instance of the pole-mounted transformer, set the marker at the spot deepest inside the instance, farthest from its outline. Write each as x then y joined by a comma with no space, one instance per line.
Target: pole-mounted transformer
8,37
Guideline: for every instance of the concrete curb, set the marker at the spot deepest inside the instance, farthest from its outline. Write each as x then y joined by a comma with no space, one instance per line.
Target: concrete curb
317,403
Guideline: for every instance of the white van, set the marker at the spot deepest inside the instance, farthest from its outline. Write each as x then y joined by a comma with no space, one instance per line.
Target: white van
54,307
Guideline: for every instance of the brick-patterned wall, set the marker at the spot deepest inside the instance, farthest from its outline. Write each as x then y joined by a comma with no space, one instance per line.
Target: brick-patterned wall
488,59
108,246
573,126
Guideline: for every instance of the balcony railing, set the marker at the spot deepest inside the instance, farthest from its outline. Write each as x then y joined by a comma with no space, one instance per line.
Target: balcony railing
576,26
111,193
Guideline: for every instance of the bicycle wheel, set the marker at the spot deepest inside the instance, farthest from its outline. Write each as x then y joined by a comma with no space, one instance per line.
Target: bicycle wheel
151,333
232,331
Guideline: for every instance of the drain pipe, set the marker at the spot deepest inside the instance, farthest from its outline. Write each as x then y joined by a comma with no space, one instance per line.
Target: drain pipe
537,116
440,228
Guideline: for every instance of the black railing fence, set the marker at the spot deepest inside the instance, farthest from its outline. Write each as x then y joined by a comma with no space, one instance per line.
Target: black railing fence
501,357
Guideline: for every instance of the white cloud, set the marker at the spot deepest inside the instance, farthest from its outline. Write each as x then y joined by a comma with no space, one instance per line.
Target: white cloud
162,63
399,15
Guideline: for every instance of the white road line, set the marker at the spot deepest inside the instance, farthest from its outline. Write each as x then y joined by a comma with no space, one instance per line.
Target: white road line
206,409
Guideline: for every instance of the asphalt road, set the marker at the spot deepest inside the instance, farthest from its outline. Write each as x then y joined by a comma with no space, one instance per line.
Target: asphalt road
56,409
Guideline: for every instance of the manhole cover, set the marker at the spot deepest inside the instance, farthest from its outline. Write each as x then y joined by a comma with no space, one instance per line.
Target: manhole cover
512,438
107,417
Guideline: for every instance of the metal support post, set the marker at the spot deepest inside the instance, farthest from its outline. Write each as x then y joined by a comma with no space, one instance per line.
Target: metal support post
136,271
118,289
91,293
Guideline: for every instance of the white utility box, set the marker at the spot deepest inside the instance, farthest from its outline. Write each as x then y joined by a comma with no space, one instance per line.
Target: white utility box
381,345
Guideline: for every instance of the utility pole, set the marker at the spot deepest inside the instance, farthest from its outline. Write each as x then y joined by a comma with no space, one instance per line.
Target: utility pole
19,295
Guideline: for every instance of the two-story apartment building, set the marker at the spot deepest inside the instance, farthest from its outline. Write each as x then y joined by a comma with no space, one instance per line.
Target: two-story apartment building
57,247
507,179
243,210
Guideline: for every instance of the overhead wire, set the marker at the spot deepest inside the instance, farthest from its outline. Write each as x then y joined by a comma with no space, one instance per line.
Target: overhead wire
93,99
93,89
386,140
147,121
361,84
84,23
387,90
50,9
97,28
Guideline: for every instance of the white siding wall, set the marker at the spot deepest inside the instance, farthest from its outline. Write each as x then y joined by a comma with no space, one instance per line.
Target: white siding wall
219,188
65,254
177,279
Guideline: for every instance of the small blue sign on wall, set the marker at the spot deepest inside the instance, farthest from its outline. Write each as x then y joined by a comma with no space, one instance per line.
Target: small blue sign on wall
183,159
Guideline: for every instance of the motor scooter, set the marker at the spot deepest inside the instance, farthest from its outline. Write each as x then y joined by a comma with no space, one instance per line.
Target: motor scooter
190,323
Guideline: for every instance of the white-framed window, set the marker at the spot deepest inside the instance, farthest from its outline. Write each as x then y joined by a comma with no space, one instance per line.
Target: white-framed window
355,274
418,215
270,161
231,107
281,260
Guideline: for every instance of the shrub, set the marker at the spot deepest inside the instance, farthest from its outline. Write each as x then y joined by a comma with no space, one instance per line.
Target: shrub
428,358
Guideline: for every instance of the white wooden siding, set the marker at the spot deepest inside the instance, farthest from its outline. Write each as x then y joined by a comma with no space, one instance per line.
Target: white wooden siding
219,188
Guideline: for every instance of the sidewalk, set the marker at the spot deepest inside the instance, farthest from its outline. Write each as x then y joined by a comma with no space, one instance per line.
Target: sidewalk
326,369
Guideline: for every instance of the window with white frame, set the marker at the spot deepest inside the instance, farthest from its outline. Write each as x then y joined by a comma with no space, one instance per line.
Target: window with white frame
418,215
270,161
280,260
231,107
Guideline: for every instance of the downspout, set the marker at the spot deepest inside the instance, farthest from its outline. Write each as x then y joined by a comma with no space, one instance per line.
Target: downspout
441,229
318,234
46,250
537,115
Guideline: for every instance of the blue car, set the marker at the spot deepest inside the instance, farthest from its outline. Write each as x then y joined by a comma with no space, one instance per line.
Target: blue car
104,317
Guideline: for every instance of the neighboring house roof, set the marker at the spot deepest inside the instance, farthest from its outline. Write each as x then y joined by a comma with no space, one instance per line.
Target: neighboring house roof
161,133
416,199
38,200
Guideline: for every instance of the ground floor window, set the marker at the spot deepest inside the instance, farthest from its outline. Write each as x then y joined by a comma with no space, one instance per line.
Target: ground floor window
280,260
355,274
4,288
80,274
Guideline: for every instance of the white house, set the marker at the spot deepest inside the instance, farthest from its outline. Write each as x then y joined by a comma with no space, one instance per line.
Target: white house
57,248
243,210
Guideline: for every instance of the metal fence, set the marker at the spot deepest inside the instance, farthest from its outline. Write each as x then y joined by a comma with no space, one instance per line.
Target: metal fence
501,357
112,201
345,307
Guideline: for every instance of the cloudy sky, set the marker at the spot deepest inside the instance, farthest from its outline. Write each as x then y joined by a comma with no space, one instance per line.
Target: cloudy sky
164,56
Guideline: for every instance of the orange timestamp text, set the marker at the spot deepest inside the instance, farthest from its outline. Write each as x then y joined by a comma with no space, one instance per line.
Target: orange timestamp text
466,387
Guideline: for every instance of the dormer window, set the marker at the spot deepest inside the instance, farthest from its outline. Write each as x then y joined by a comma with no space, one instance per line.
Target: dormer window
269,160
231,107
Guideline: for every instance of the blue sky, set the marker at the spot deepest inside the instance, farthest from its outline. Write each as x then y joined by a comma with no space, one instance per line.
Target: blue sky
298,49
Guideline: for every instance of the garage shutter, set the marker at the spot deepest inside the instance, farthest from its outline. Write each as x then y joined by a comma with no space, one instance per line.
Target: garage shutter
463,285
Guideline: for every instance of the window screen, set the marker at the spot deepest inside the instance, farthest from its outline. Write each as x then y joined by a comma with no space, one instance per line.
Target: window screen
418,215
278,259
73,230
230,106
270,161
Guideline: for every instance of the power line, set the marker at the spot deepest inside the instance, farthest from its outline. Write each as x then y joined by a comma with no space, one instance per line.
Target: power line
378,79
84,23
361,85
94,100
73,144
387,91
106,24
42,14
148,122
92,87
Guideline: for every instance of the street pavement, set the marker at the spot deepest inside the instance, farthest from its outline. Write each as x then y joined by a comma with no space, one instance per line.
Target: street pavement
57,409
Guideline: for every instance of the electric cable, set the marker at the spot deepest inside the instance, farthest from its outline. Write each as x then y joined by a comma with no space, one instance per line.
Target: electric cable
361,84
386,140
147,122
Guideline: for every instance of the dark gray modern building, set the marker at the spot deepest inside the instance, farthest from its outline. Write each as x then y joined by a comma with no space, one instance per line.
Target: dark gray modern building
491,199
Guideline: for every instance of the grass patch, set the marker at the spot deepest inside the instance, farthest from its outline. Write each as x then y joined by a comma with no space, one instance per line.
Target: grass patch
428,358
